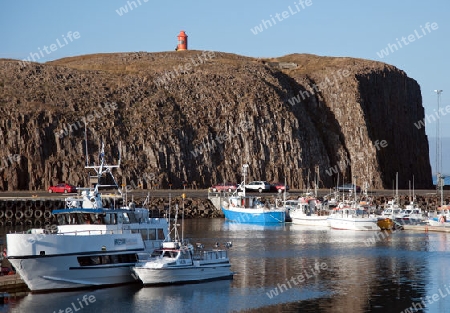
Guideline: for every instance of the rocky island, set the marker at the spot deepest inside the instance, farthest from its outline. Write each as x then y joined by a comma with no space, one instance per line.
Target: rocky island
196,116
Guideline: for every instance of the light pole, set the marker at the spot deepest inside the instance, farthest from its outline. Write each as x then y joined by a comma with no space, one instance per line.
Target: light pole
438,143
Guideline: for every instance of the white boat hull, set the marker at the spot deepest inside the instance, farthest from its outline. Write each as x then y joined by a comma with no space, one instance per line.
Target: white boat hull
312,220
353,223
435,222
50,262
64,272
188,274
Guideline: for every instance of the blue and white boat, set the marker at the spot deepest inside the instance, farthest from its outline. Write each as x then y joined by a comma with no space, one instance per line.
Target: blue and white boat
241,208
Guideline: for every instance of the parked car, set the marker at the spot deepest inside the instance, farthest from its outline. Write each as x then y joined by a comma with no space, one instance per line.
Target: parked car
348,187
258,186
278,187
230,187
62,188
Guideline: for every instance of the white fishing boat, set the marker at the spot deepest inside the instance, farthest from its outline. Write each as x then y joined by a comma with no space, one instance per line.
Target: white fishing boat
351,217
392,210
308,211
442,219
91,246
179,262
411,214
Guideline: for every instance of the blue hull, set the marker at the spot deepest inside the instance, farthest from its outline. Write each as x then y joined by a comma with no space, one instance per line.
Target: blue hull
253,216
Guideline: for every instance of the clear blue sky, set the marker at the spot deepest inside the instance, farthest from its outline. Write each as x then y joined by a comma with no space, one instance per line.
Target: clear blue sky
353,28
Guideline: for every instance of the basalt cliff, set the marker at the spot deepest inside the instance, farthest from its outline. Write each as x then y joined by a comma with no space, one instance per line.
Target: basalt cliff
196,117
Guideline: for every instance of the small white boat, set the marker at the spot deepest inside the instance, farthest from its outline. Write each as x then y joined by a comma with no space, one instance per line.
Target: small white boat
178,262
442,219
411,214
391,211
305,213
352,218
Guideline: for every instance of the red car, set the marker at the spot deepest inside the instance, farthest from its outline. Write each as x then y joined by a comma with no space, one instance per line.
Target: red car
230,187
278,187
63,188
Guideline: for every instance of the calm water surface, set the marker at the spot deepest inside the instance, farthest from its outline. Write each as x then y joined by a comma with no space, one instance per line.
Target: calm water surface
288,268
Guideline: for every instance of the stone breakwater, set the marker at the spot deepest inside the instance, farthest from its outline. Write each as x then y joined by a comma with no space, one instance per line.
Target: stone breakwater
38,212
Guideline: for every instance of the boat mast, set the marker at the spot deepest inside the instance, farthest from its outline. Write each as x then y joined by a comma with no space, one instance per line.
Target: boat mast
182,220
396,186
168,215
244,172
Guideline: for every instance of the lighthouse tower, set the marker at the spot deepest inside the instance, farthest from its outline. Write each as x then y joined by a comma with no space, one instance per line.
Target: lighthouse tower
182,41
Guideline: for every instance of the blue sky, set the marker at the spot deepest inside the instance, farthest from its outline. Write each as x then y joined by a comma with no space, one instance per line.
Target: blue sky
352,28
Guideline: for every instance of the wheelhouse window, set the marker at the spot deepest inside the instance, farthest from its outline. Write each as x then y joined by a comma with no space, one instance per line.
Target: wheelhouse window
144,234
161,234
107,259
152,234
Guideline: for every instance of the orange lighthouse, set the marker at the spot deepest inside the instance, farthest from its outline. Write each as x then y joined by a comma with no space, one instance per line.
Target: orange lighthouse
182,41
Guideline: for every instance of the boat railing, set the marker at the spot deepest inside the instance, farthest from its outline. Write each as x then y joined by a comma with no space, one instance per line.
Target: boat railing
96,232
210,255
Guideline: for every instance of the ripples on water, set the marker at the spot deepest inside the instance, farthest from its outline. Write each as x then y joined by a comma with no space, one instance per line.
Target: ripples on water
344,273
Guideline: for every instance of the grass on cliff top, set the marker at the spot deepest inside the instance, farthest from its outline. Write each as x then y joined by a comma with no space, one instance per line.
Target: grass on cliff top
310,63
135,62
138,62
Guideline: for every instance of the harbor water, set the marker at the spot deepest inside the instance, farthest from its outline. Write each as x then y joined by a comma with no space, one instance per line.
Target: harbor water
288,268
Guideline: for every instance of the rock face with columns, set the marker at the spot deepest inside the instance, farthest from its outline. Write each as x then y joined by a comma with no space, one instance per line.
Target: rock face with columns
195,117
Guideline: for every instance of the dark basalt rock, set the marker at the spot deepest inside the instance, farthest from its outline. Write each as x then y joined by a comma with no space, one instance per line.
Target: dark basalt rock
197,125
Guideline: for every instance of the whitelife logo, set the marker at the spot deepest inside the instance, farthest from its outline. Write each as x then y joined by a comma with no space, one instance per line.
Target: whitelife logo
64,41
407,40
281,17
